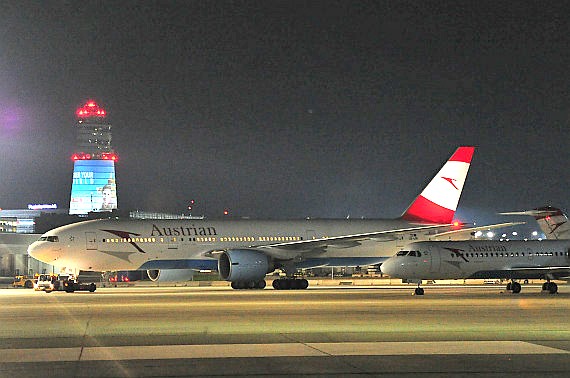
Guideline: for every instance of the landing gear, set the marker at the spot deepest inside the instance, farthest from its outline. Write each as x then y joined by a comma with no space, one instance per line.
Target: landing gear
514,286
239,285
288,283
419,290
551,287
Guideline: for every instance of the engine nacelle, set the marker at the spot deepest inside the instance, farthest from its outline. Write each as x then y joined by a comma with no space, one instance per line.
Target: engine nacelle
170,275
243,265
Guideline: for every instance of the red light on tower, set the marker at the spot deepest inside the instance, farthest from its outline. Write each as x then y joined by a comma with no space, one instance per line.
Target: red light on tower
90,109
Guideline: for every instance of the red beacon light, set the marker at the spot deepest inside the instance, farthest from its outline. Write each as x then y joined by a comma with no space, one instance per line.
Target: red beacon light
108,156
90,109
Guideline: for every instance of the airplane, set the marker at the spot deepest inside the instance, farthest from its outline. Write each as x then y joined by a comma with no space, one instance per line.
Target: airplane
552,221
440,260
244,251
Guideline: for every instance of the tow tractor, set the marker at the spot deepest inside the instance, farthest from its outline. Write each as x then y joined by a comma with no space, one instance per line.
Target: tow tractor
24,281
61,282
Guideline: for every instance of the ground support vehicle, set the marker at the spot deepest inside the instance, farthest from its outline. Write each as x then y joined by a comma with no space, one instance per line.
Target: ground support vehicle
67,283
24,281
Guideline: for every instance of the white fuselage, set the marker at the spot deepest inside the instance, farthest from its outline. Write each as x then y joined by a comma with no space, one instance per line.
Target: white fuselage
109,244
479,259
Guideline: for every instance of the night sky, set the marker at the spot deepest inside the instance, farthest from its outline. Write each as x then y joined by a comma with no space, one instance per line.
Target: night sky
287,108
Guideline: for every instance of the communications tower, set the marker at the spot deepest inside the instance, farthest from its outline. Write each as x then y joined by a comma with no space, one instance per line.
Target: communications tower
93,188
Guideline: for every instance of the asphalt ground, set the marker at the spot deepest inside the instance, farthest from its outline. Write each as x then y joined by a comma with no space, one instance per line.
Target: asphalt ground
348,331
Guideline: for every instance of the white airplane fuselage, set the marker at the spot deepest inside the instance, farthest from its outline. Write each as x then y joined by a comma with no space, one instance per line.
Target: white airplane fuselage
110,244
480,259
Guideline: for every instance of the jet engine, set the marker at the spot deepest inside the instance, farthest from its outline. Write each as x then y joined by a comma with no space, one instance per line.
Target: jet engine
170,275
244,265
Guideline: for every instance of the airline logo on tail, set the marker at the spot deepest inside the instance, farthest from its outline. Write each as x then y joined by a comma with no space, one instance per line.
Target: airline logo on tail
438,201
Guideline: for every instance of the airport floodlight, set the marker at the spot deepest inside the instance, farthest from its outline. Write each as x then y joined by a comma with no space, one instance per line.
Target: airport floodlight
504,235
515,233
478,234
490,234
535,233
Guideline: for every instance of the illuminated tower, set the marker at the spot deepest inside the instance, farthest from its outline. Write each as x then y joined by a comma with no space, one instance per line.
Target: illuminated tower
94,187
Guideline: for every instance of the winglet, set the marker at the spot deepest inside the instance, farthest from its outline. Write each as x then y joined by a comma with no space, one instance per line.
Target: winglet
438,201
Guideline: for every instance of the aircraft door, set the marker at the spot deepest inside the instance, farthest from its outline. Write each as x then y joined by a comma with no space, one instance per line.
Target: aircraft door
435,260
529,253
172,242
91,240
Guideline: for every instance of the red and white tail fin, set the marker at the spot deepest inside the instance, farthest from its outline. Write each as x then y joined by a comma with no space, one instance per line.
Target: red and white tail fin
438,201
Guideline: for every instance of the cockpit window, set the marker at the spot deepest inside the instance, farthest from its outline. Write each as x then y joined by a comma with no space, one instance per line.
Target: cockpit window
402,253
52,239
412,253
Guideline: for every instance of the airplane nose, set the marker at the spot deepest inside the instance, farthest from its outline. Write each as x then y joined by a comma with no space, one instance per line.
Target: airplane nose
42,252
387,267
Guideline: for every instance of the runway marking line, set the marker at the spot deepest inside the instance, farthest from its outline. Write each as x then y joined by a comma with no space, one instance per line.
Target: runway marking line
145,352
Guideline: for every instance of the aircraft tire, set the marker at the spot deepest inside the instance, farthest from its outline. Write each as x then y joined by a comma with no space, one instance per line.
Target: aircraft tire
510,286
285,284
516,287
545,286
304,284
92,288
552,288
250,284
419,291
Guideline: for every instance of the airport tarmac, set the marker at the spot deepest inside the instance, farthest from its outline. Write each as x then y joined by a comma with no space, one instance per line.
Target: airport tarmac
323,331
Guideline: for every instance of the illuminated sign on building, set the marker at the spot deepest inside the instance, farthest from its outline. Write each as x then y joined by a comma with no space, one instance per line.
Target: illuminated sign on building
93,187
42,206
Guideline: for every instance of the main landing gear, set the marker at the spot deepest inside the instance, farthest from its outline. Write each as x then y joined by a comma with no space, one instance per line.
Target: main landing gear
290,283
551,287
514,286
239,285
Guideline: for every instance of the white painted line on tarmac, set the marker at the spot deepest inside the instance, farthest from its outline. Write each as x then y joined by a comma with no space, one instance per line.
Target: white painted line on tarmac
147,352
434,347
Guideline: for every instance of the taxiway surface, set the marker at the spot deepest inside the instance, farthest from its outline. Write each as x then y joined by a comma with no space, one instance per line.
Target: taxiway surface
144,331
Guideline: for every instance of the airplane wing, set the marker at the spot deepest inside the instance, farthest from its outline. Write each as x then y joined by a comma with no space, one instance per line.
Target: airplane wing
314,247
465,233
288,250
